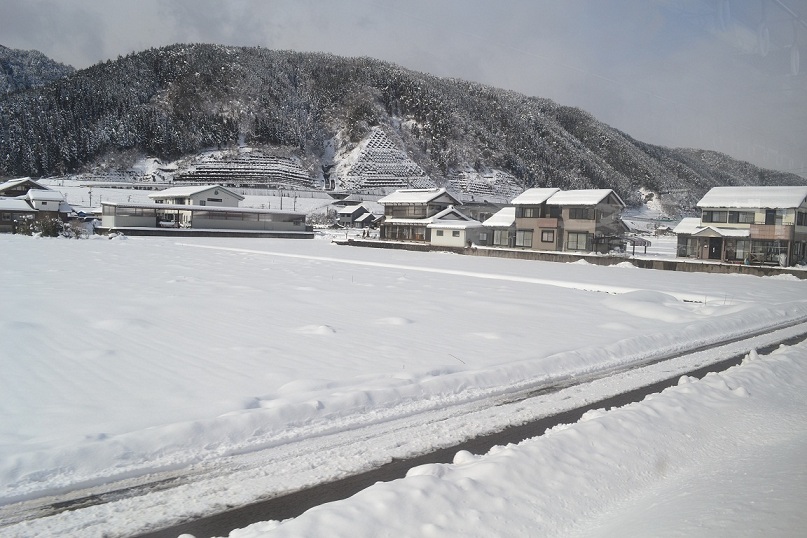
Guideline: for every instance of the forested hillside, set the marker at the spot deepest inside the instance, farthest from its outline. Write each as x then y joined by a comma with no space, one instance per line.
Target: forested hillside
179,100
23,69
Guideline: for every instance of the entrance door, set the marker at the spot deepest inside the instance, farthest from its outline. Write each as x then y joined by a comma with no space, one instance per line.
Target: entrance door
715,248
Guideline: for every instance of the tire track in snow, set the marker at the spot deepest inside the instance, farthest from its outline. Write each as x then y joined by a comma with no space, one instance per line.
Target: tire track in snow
580,286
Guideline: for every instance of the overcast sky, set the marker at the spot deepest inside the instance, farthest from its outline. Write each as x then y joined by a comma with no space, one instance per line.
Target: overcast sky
713,74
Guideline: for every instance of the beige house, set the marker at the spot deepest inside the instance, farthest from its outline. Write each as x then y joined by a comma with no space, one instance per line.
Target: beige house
586,220
408,213
747,225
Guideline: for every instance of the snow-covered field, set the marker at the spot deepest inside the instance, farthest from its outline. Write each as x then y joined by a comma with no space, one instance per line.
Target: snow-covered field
130,357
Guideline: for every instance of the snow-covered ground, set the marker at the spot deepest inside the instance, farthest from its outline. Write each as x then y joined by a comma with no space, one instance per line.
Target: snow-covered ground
724,456
124,359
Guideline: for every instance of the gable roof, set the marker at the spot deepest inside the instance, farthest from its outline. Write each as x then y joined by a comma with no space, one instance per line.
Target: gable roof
44,195
534,196
754,197
350,209
583,197
16,182
460,222
418,196
692,226
16,205
503,218
175,192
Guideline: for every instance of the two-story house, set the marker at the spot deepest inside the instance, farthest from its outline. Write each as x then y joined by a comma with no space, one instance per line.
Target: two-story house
585,220
408,213
749,225
536,223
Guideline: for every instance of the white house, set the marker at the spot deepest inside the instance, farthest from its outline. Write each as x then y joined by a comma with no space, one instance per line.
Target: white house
202,195
450,228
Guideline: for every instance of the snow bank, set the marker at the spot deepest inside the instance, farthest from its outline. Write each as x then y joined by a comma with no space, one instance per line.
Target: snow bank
717,457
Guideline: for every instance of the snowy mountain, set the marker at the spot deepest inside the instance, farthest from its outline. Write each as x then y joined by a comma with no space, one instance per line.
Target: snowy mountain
23,69
353,124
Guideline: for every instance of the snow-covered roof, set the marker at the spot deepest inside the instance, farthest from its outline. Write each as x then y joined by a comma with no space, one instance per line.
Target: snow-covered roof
14,182
503,218
534,196
349,210
455,224
174,192
210,208
692,226
366,216
583,197
754,197
688,226
45,195
416,196
15,204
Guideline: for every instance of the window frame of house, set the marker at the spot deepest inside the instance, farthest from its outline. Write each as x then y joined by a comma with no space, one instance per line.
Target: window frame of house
741,217
501,238
547,236
714,216
577,241
524,238
581,213
455,233
801,218
528,212
438,233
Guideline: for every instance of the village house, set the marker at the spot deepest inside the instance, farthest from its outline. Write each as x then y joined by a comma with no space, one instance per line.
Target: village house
408,213
14,188
12,212
25,199
586,220
536,223
759,225
208,207
450,228
500,228
350,216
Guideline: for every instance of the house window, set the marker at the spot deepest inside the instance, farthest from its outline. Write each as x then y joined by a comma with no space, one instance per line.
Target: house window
548,236
219,200
44,203
500,237
524,238
715,216
6,216
577,241
202,202
741,217
581,213
439,233
801,218
455,233
528,212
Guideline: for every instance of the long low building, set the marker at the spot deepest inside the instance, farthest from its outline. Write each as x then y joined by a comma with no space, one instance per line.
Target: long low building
120,216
